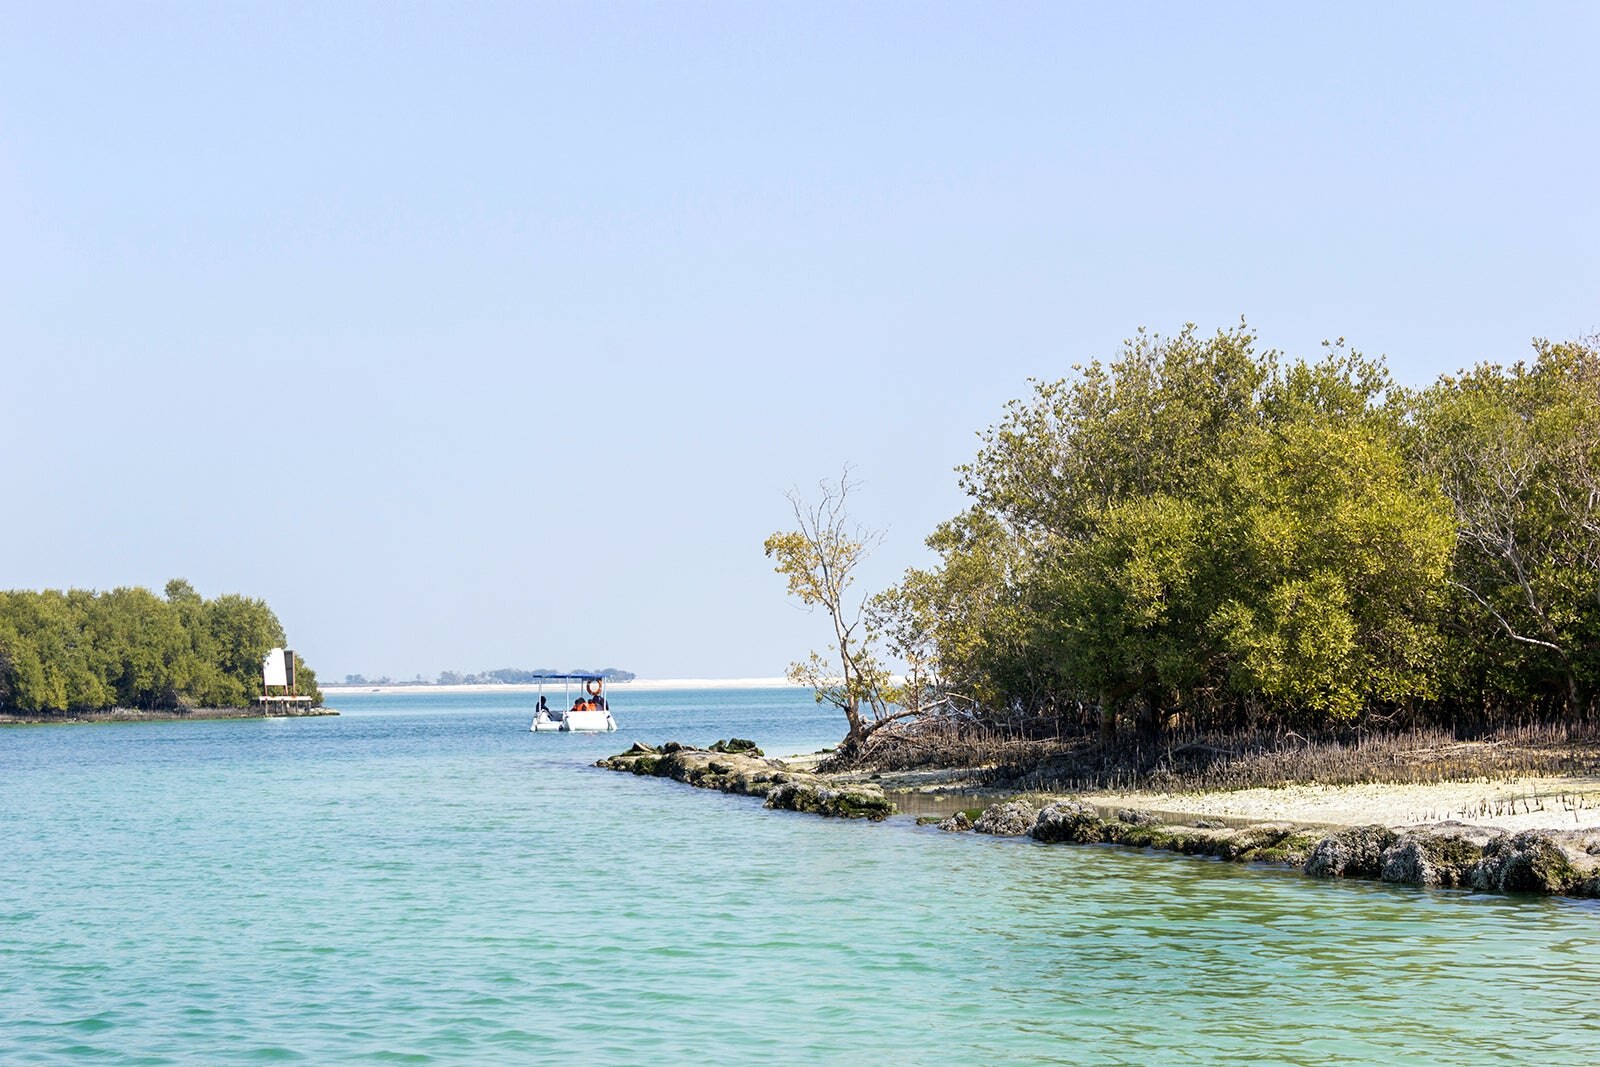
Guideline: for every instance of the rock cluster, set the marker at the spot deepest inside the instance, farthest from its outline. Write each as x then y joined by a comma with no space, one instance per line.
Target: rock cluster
1447,854
1442,855
1072,822
1067,820
736,745
1532,862
1353,853
736,766
1011,819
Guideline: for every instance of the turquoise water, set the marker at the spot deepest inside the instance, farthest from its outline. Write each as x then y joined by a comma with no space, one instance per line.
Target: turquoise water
422,880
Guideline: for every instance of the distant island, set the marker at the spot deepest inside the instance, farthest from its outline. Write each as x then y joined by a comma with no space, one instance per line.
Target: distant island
503,676
128,653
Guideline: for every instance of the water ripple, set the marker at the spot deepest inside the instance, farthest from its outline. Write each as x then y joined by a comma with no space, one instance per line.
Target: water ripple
449,889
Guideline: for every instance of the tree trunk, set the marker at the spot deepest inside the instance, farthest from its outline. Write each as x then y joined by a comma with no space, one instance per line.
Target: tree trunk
852,714
1108,718
1152,715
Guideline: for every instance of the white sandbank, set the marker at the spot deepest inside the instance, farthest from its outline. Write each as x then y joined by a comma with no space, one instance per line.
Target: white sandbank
1517,804
531,687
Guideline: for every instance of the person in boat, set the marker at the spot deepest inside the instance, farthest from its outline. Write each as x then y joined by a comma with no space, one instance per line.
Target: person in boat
544,706
577,705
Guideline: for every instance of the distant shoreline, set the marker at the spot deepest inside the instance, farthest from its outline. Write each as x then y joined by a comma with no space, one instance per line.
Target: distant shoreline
21,718
533,687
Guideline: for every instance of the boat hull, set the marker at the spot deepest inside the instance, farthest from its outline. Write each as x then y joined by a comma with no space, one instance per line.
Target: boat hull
584,722
596,721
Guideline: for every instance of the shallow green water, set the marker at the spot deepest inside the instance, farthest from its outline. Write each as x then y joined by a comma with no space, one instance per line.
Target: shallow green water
422,880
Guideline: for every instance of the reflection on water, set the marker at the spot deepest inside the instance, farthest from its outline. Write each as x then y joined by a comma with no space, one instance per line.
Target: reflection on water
942,805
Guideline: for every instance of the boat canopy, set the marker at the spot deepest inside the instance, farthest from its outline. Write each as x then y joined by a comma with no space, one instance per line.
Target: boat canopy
567,677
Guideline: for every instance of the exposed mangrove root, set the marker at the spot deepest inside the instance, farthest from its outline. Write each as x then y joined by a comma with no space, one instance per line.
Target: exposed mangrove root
1025,761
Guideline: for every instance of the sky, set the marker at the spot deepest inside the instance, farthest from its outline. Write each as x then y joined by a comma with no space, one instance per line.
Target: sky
484,335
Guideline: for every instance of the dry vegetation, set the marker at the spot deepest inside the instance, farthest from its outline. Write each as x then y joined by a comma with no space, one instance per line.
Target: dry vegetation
1209,762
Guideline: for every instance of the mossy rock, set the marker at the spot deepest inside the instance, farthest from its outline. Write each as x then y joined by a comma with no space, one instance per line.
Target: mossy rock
737,746
754,783
1243,845
1528,862
848,803
704,777
1012,818
645,765
1353,853
672,764
1150,835
1068,821
1206,841
1266,843
1292,850
857,804
1422,858
1130,821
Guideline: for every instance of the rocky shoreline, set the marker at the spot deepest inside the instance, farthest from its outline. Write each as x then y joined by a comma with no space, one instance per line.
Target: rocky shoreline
737,766
17,718
1444,854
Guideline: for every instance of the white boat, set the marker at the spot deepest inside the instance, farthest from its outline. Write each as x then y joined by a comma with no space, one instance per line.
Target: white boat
589,713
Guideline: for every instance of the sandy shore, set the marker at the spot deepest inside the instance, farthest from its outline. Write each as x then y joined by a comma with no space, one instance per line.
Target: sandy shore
636,684
1511,805
1517,804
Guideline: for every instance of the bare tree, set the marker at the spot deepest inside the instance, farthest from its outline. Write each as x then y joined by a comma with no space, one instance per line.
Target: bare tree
820,559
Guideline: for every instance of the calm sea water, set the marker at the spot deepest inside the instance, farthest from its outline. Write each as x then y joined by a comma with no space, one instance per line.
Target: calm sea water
424,881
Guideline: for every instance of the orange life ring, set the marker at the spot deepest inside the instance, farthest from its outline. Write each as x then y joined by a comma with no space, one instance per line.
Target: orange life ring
593,686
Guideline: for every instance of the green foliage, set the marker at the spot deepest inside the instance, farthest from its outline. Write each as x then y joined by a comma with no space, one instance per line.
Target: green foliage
1339,556
1201,529
53,666
80,650
1517,450
1150,423
962,623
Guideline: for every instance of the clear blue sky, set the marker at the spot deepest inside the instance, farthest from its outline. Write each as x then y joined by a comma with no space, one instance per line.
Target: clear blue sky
484,335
